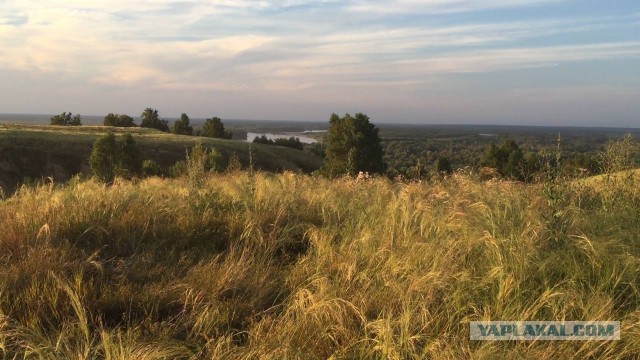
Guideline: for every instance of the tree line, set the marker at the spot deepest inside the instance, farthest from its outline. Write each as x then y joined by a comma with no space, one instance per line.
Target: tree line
292,142
213,127
112,157
353,146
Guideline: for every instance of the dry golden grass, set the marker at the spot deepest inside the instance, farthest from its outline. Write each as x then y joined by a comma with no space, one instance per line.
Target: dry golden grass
287,266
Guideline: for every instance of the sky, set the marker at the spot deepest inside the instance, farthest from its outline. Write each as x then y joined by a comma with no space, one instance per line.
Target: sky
522,62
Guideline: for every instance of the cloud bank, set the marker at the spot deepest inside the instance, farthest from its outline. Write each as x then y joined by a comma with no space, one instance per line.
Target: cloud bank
304,59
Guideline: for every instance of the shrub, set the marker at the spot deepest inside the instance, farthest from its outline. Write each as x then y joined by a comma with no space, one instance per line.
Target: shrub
119,120
150,168
66,119
104,160
292,142
110,158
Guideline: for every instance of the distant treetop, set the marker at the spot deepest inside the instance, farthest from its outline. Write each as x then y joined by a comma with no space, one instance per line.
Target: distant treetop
182,127
119,120
353,145
150,119
66,119
215,128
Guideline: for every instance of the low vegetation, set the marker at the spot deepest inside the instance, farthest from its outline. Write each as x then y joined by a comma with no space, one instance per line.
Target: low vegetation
409,149
224,261
30,153
118,120
246,265
66,119
292,142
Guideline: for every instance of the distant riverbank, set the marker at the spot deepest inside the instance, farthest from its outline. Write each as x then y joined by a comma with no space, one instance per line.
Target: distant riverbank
300,135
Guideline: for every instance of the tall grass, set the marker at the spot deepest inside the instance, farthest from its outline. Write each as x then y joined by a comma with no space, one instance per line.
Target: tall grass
287,266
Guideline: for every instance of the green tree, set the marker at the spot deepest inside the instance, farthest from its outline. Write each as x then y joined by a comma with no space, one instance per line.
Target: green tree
492,157
119,120
507,159
263,140
182,127
129,156
66,119
353,145
150,119
442,166
292,142
104,158
513,167
215,128
110,158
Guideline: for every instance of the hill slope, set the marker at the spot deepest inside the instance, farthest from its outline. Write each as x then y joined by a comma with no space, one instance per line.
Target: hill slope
60,152
598,181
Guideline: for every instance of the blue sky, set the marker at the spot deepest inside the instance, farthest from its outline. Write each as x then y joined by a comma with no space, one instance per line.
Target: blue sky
534,62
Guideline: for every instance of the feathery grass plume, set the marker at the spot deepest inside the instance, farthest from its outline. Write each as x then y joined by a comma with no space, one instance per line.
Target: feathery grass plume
258,265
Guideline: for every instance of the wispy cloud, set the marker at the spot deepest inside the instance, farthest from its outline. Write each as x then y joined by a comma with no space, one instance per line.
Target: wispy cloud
438,6
16,19
294,46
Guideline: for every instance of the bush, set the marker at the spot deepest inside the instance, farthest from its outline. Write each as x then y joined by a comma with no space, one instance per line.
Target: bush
234,164
198,163
129,156
618,155
442,166
201,161
118,120
508,159
178,169
292,142
104,160
110,158
66,119
150,168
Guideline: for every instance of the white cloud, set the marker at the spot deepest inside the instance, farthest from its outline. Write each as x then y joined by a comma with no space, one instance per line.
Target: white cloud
130,42
437,6
290,47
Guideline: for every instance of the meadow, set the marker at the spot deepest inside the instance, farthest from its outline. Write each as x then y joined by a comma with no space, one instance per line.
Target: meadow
246,265
30,153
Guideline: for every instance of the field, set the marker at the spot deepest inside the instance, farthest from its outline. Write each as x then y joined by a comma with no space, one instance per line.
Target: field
35,152
253,265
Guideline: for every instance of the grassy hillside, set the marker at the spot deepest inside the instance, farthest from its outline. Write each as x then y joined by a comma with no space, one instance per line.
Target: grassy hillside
36,152
603,180
286,266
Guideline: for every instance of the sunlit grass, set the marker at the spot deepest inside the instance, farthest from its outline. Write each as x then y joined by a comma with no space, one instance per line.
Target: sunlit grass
258,265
